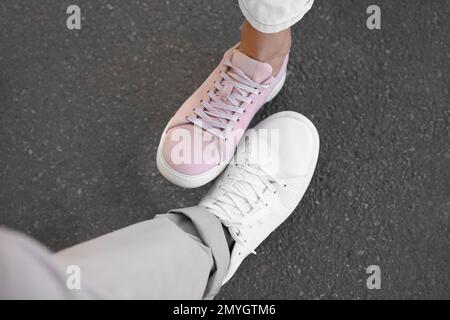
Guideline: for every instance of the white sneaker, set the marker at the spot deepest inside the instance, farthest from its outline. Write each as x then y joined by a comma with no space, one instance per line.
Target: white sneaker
264,182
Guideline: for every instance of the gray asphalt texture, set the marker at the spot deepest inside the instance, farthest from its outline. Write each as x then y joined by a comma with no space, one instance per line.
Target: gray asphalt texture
81,113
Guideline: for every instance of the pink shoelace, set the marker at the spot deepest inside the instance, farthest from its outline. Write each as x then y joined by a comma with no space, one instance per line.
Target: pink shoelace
224,104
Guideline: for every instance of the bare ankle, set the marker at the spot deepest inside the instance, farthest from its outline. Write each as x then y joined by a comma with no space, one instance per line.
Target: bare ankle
271,48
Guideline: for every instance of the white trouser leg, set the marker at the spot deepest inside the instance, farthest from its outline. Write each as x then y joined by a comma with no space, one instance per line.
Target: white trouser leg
271,16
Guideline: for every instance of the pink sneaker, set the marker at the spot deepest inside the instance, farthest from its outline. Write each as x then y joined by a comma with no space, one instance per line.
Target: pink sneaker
201,138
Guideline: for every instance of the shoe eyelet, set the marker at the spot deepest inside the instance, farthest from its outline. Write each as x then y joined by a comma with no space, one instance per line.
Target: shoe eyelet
285,185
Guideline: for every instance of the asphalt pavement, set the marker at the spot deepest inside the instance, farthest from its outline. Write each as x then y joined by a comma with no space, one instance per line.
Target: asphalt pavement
81,113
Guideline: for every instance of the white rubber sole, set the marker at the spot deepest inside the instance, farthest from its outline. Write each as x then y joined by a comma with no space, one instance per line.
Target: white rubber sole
195,181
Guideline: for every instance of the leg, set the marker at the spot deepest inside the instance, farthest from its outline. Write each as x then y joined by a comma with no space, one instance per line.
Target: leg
250,74
270,16
270,48
180,255
266,33
28,271
183,254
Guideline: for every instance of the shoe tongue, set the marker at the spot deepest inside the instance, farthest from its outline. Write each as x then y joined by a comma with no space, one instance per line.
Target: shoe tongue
254,69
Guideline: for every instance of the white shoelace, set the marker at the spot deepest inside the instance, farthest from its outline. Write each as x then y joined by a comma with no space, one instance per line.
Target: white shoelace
224,104
243,198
